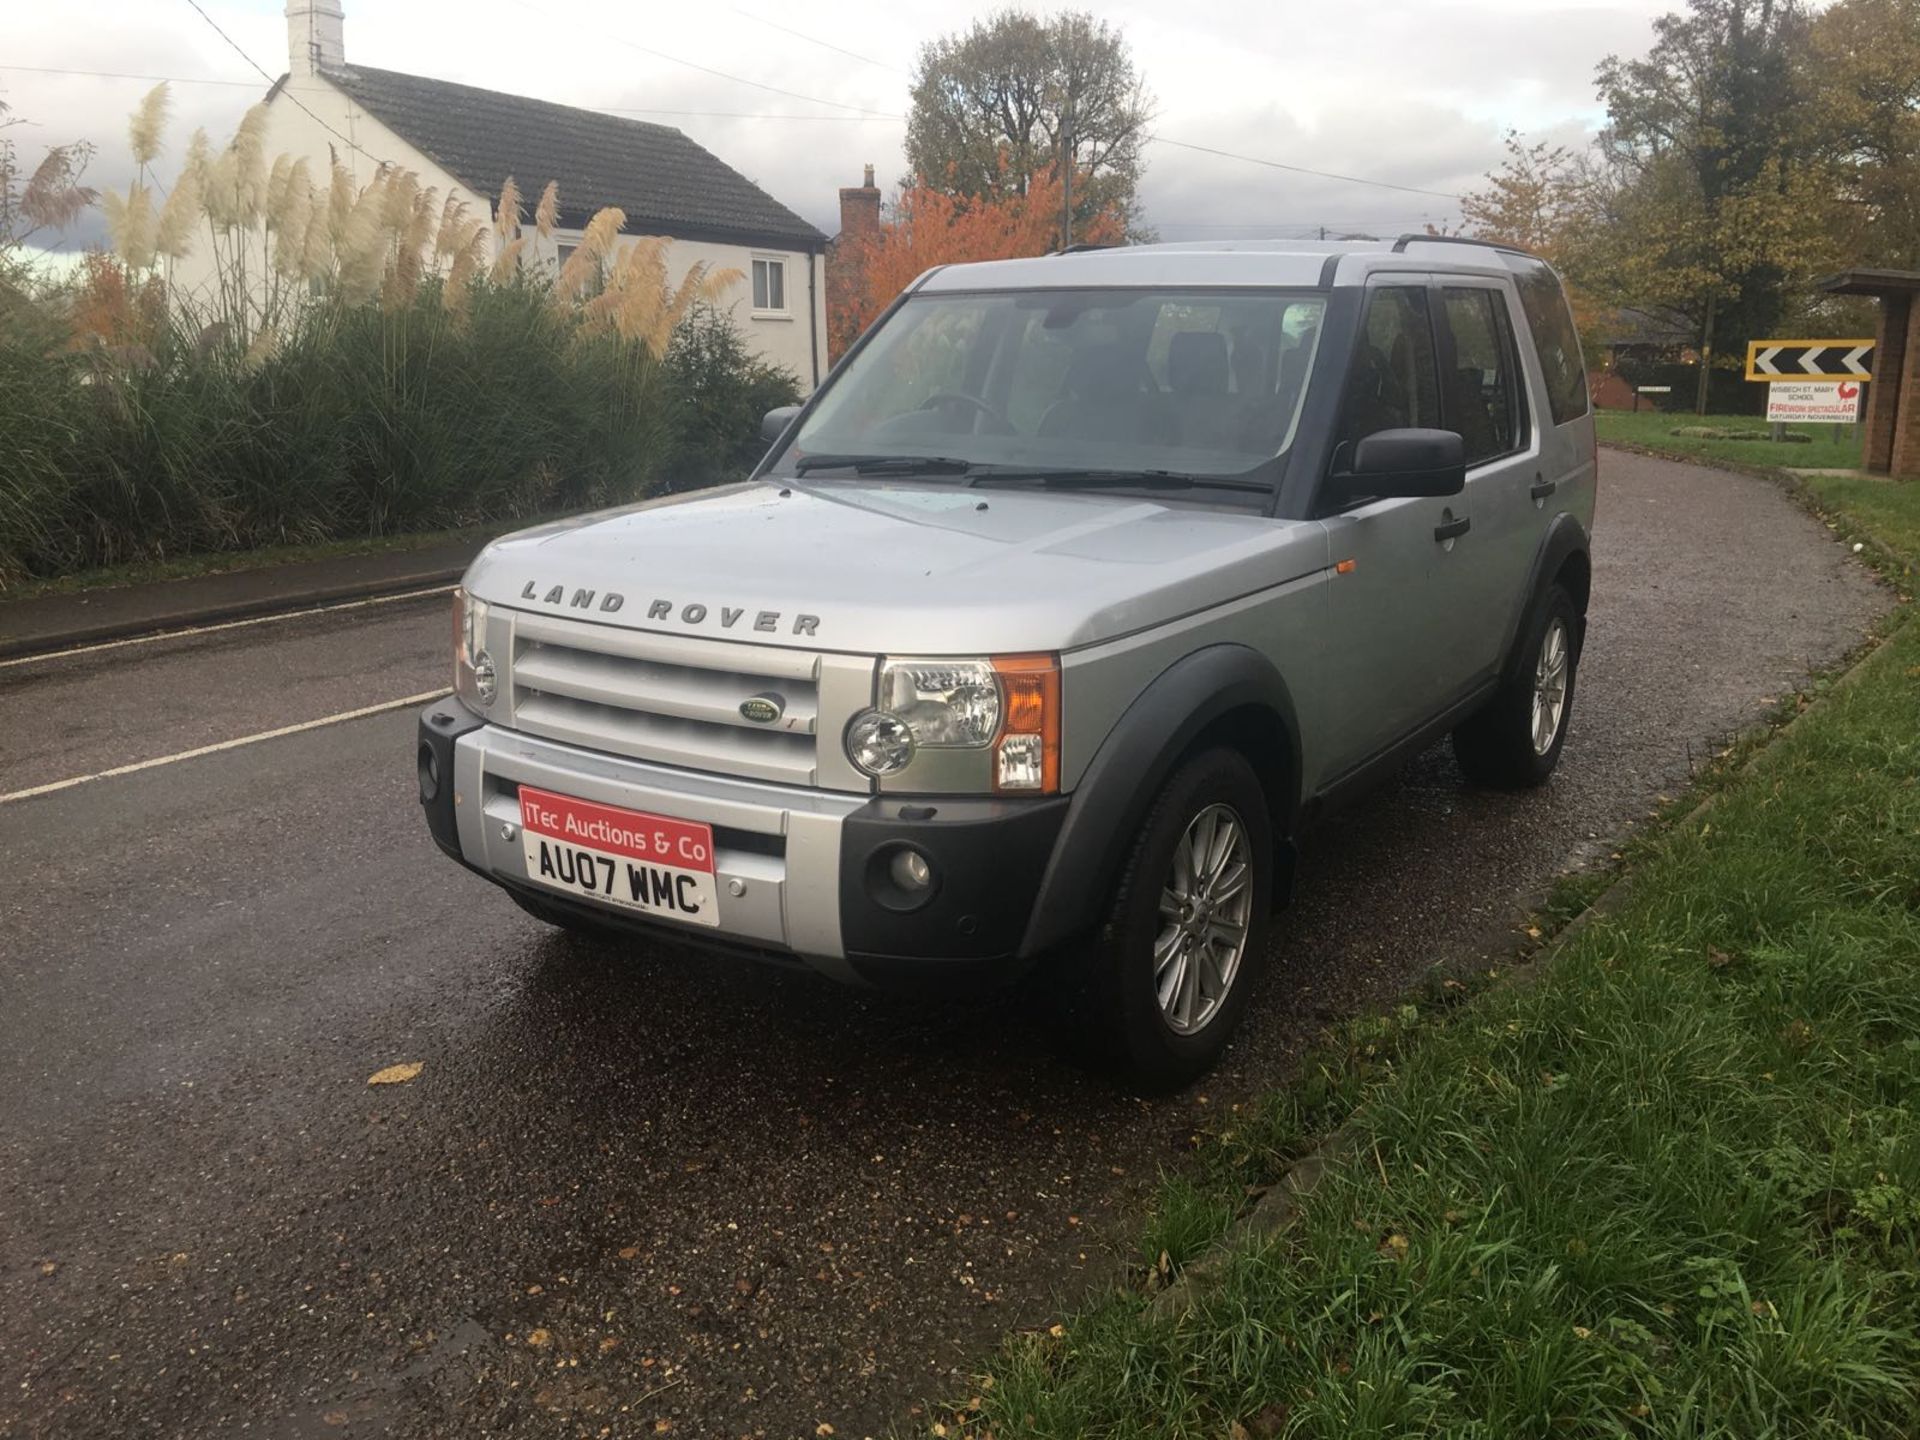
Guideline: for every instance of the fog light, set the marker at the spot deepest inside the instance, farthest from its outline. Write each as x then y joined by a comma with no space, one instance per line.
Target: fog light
900,878
486,683
910,871
879,744
429,774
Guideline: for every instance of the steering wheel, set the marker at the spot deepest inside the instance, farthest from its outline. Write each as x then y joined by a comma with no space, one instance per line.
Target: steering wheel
943,397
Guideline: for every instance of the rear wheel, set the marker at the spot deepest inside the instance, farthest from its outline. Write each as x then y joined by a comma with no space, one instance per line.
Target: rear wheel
1158,992
1515,741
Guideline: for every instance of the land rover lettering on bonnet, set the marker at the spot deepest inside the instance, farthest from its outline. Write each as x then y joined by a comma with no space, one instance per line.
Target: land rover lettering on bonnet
1140,561
695,613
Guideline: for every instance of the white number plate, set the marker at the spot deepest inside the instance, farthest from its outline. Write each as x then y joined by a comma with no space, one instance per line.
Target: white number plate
619,857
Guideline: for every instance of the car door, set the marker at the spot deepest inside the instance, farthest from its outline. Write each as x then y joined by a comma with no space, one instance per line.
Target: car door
1478,582
1380,668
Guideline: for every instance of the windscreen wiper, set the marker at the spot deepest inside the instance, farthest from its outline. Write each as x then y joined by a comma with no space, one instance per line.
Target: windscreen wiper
1065,479
884,464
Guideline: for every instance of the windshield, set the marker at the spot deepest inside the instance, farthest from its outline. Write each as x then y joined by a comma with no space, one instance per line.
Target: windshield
1191,382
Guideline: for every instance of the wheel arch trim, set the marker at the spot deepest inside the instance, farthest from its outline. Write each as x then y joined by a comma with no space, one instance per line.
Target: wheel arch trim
1566,537
1133,762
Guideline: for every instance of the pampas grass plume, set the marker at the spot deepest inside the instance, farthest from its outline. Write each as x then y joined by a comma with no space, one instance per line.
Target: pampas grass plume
148,122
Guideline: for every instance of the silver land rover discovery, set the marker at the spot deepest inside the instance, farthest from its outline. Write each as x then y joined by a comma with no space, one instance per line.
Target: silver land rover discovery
1046,626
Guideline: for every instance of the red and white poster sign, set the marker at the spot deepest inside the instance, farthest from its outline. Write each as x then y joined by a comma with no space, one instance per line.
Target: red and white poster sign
1814,402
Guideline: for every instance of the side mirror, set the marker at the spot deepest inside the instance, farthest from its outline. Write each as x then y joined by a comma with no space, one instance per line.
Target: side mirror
774,423
1391,463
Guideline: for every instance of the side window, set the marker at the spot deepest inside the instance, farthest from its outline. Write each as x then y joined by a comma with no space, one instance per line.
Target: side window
1393,384
769,285
1479,386
1550,322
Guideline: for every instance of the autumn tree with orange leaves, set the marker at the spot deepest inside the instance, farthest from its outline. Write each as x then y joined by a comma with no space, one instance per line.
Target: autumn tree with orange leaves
927,226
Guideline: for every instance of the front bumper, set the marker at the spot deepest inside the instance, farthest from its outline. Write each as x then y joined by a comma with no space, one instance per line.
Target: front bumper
799,871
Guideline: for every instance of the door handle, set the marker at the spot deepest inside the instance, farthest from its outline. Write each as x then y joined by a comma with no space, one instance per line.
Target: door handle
1453,529
1542,487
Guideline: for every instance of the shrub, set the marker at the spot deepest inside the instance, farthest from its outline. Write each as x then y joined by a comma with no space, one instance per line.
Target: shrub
351,369
721,392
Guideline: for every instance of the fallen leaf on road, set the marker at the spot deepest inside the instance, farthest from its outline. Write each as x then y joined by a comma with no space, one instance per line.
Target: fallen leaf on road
629,1252
539,1339
396,1074
47,1267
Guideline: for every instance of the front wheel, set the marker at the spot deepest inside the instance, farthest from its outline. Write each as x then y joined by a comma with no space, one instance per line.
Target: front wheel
1158,992
1515,741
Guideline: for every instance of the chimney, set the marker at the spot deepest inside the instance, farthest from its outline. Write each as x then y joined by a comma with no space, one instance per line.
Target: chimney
316,36
860,210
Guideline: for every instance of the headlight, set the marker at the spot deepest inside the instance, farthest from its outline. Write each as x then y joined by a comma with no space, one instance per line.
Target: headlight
879,744
1009,703
474,679
949,704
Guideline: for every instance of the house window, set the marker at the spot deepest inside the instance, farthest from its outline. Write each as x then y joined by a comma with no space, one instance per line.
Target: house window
769,285
563,252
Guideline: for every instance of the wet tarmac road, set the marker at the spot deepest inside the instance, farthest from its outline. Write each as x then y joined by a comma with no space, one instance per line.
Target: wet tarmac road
629,1190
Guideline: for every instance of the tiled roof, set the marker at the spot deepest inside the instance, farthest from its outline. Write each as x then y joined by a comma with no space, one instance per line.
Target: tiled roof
664,182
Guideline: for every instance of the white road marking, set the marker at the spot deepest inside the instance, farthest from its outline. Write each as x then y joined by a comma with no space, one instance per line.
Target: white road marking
365,710
225,625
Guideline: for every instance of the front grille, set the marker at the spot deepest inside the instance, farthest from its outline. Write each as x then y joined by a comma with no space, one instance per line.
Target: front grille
673,700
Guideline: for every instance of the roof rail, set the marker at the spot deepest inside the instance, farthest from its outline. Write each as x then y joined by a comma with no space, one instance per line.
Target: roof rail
1086,245
1400,245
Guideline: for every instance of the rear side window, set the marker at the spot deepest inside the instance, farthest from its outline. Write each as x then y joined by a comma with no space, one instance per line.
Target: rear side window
1394,384
1479,385
1551,324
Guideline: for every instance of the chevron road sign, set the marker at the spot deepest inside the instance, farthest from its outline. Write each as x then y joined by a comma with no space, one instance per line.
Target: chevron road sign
1810,360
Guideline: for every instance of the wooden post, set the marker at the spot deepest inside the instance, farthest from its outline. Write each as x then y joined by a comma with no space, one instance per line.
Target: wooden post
1706,358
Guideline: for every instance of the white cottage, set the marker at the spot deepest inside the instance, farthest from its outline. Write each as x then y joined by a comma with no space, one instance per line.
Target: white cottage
467,141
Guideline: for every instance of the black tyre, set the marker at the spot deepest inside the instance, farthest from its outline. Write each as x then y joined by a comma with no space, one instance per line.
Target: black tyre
1515,741
1157,993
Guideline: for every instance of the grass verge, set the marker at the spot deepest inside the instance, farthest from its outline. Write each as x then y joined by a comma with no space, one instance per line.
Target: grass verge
1669,1187
1829,447
184,567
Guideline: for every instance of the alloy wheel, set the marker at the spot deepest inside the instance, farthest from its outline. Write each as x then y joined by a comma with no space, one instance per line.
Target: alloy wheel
1550,686
1205,911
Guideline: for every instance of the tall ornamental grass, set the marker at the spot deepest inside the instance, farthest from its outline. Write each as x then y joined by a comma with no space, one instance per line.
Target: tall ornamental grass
364,361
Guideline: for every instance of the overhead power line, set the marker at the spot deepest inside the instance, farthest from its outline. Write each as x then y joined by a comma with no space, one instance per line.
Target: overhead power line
719,74
609,109
123,75
816,40
1301,169
234,45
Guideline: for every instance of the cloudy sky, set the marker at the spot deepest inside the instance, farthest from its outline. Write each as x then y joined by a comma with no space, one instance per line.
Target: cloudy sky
1413,92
